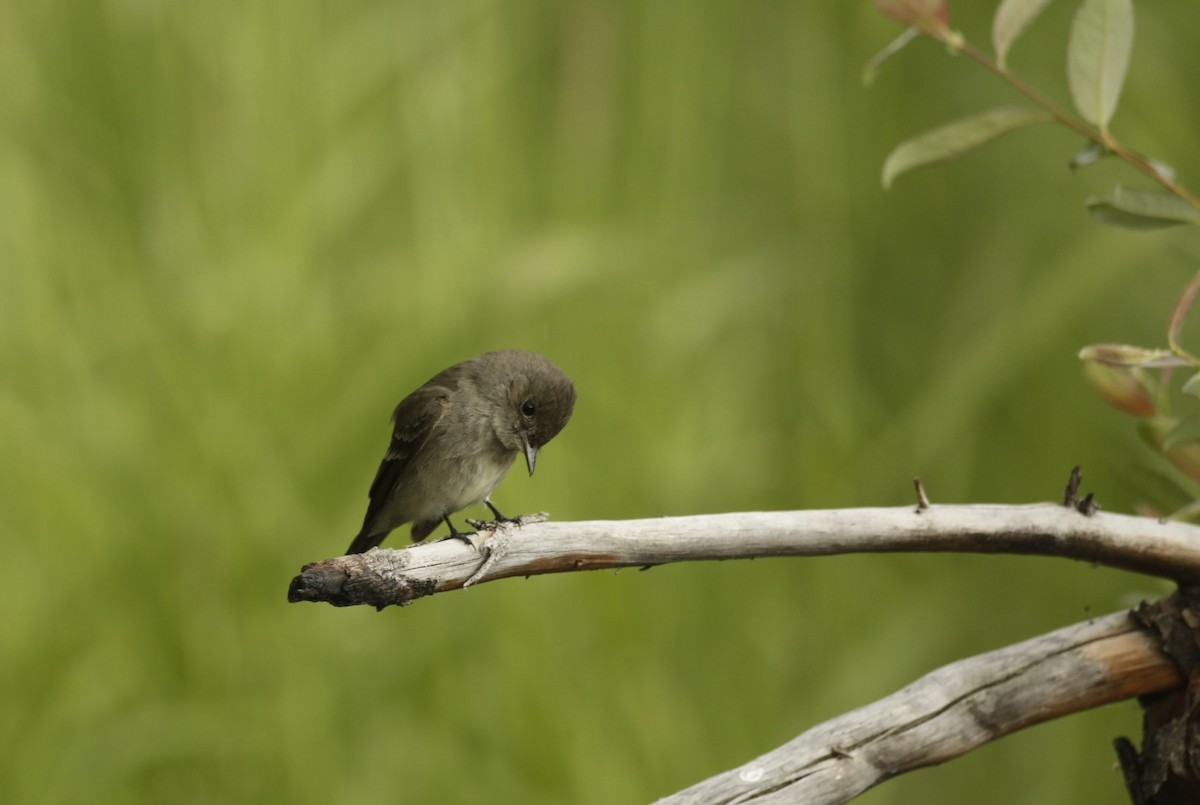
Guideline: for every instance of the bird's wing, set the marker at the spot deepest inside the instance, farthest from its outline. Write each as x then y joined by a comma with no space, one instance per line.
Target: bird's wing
416,418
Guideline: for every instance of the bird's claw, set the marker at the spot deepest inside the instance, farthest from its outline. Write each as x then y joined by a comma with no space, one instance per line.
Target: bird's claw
504,522
464,536
498,543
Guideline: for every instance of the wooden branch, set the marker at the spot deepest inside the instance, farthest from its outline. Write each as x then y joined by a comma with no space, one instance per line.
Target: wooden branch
383,577
948,713
940,716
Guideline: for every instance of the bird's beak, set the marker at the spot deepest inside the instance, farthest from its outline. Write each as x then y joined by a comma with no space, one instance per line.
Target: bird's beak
530,456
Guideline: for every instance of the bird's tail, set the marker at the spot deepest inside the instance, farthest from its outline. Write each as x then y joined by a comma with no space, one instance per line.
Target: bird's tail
423,529
365,541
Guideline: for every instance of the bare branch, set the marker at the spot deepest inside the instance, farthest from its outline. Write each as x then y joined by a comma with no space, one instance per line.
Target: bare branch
948,713
383,577
944,714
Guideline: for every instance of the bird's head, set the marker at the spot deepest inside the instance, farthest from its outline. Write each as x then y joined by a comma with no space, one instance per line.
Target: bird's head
538,401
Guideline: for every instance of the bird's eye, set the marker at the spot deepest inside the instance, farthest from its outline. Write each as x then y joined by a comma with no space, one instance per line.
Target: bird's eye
528,408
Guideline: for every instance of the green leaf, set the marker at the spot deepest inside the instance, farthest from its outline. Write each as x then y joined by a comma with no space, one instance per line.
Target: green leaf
1151,432
1192,387
1098,57
955,139
1162,169
1120,388
1126,355
1185,433
1142,209
1179,313
1012,18
1090,153
888,52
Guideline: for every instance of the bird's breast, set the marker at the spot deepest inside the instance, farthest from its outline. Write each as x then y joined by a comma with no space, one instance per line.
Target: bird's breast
474,478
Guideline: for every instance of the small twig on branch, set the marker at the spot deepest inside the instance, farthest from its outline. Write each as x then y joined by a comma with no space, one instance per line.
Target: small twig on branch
383,577
1071,493
1088,506
922,498
949,712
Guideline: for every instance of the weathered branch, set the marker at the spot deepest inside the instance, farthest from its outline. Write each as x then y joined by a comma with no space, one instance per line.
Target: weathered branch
949,712
383,577
940,716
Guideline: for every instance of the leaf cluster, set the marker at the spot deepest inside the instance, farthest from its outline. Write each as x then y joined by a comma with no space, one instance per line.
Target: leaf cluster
1099,50
1136,380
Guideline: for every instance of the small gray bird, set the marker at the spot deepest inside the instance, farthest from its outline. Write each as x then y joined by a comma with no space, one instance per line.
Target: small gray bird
456,437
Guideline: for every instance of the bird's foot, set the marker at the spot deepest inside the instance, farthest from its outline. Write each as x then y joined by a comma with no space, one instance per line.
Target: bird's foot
467,537
499,539
502,522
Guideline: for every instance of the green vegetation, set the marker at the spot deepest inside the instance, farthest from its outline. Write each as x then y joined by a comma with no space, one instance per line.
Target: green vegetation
234,234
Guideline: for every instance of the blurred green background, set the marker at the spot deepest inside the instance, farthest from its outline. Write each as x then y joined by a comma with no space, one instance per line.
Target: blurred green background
235,234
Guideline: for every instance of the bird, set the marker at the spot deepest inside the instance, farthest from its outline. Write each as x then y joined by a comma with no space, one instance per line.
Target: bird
456,437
